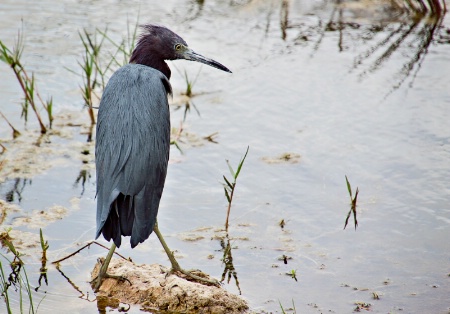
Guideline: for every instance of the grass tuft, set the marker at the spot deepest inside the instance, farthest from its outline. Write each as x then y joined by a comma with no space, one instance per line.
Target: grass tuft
230,185
27,83
18,278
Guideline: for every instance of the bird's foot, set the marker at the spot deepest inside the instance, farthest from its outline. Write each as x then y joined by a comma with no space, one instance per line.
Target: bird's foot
102,274
97,281
190,274
176,267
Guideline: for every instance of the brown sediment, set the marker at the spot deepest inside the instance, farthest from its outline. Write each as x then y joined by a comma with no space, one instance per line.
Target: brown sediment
154,289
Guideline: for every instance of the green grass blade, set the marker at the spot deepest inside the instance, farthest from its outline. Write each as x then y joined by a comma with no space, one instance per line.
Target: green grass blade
241,163
11,247
231,169
5,289
28,288
348,216
39,304
5,54
227,195
43,246
281,306
349,188
228,182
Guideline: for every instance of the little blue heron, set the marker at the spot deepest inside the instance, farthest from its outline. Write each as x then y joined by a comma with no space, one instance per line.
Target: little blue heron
133,142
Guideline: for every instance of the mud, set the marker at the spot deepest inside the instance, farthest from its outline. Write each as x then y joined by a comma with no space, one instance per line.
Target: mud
154,289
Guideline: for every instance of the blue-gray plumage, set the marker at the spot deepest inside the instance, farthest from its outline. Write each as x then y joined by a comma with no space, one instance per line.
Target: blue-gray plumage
132,151
133,141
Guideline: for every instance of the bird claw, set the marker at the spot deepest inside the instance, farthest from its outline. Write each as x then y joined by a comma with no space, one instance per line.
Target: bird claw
97,281
118,278
189,273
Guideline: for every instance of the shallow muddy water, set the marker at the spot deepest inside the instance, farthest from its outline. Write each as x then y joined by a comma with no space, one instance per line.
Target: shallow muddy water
356,89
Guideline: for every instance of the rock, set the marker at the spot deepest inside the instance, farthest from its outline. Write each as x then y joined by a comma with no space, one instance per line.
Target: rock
153,289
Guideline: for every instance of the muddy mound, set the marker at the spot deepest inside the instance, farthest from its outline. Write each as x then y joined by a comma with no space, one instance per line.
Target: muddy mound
154,289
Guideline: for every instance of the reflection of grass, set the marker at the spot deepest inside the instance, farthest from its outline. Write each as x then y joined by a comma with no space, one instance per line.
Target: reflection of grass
227,260
417,24
432,7
187,108
353,204
43,270
175,135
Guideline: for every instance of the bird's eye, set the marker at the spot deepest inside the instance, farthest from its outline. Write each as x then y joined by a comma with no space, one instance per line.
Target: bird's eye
178,47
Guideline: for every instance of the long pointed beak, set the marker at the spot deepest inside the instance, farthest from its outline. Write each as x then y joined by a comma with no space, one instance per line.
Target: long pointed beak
191,55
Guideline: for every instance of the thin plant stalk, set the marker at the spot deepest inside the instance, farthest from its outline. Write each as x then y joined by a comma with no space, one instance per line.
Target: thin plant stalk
93,71
90,60
126,47
15,131
21,280
12,58
293,307
5,289
28,89
229,187
189,83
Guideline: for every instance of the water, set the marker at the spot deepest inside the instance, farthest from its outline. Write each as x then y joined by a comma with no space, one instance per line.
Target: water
351,102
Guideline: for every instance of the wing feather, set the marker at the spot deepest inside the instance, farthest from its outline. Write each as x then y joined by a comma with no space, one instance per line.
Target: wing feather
132,152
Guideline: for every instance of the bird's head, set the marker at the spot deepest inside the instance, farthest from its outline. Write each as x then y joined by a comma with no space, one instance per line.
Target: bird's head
158,43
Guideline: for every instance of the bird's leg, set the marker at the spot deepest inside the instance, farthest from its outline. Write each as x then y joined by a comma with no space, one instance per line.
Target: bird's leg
102,274
173,261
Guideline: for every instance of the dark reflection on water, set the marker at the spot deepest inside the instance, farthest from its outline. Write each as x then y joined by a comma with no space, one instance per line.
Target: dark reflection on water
420,40
187,106
284,18
194,10
408,32
81,294
227,260
14,189
106,304
83,177
43,269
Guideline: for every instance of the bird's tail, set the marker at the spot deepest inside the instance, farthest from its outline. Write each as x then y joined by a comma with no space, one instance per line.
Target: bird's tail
132,216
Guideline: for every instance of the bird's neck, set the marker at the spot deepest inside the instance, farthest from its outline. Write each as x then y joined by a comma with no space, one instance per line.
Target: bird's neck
151,60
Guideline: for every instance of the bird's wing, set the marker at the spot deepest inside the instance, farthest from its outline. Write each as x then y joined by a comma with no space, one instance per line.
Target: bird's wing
132,144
